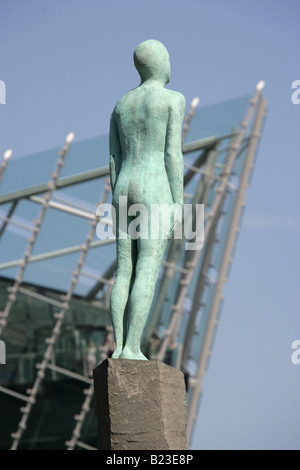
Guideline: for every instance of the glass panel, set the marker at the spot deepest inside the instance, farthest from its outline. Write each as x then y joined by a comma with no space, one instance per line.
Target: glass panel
35,169
217,119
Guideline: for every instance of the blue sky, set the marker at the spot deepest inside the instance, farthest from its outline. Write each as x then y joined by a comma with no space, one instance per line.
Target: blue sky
66,63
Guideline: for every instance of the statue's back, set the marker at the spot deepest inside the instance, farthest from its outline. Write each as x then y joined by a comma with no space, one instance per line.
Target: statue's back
142,119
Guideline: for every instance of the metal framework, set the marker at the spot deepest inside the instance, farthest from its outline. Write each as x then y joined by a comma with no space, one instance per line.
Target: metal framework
190,290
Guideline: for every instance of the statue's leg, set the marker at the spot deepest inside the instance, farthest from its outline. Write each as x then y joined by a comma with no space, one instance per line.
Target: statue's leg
150,253
120,290
133,261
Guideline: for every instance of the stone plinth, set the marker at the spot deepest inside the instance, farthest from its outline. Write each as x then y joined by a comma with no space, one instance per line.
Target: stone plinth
141,405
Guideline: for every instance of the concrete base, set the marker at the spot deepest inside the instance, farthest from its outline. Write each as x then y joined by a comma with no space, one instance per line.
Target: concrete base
141,405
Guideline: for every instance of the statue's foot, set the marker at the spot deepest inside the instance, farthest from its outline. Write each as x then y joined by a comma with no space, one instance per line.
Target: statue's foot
116,353
128,354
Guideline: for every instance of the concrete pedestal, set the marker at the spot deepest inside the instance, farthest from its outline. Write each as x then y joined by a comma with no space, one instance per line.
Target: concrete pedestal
141,405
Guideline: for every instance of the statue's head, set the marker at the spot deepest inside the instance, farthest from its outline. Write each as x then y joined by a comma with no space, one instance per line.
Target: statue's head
151,59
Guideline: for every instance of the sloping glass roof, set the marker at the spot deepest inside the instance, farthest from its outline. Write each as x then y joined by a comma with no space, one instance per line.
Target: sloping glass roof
61,230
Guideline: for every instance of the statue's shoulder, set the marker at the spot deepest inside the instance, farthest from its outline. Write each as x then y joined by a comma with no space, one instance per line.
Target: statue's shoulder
175,99
124,101
169,98
176,95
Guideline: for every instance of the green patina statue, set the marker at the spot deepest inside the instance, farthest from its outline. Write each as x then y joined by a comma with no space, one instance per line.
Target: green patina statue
146,169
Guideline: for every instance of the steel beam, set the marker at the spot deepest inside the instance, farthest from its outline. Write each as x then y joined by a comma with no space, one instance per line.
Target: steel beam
55,253
226,260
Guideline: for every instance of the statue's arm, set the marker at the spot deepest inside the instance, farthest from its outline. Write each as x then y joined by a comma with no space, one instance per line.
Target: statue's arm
115,158
173,152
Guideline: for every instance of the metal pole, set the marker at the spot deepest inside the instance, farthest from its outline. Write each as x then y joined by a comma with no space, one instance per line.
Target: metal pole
43,298
108,274
85,446
226,260
37,224
89,392
8,217
189,117
202,279
52,340
178,308
14,394
54,253
8,220
103,280
68,373
61,183
6,157
65,208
